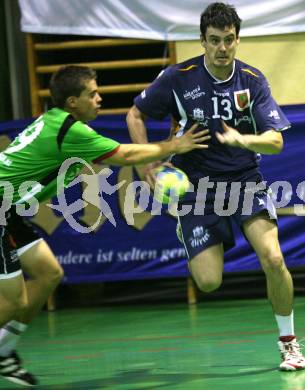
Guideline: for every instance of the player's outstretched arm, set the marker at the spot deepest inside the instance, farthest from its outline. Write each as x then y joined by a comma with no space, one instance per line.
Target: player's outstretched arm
133,154
138,133
269,142
136,125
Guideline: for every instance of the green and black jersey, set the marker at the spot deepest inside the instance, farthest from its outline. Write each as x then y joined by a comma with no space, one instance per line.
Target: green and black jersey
37,154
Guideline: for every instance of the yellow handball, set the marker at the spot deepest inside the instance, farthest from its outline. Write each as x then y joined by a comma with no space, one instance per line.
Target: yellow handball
171,184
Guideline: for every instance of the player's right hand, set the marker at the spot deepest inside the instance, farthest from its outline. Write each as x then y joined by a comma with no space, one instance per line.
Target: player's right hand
147,172
193,139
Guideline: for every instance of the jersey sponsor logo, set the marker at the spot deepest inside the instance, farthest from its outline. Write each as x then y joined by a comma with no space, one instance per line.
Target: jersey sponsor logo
242,99
143,94
244,118
198,116
274,114
194,94
188,68
200,236
250,72
221,94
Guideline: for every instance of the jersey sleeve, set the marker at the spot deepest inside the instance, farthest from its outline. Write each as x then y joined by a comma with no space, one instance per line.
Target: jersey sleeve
84,142
155,101
266,112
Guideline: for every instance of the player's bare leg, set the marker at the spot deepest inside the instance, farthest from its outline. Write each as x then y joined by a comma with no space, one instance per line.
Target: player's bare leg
13,298
207,268
262,234
13,302
44,272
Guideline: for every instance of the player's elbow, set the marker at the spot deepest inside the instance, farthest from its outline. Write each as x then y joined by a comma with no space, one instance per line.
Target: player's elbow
129,154
278,145
274,142
134,114
130,117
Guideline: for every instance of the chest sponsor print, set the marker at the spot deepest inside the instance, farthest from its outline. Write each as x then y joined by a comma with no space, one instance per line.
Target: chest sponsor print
194,93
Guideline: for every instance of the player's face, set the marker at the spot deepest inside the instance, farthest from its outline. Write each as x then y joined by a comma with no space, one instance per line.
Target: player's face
220,49
88,102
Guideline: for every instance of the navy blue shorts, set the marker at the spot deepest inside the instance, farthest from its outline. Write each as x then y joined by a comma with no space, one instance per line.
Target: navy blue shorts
15,235
212,213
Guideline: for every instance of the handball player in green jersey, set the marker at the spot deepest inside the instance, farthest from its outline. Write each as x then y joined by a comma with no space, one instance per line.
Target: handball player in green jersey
36,155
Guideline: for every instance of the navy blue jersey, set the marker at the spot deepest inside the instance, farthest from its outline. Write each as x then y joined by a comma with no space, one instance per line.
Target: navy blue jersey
191,94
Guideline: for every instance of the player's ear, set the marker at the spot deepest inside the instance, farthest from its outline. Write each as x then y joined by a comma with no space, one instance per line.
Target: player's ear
71,101
203,41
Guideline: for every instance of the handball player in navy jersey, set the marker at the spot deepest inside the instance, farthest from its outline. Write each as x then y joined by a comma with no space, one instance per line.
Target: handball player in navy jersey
233,101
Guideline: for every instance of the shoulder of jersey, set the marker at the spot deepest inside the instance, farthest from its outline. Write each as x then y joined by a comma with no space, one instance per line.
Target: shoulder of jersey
251,72
90,130
79,126
187,66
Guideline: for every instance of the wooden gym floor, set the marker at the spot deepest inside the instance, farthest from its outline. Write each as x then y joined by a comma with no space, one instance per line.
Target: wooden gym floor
212,345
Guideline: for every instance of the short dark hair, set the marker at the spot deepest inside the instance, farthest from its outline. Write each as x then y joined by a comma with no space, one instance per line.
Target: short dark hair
219,15
69,81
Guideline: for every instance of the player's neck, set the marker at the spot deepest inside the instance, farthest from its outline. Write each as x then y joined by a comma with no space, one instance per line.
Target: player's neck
220,73
73,113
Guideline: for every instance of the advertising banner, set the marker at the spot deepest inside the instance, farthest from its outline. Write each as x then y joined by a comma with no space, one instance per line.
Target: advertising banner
134,239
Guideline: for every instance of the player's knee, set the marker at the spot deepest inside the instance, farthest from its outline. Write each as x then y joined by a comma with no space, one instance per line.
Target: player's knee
20,304
273,262
52,274
56,273
208,284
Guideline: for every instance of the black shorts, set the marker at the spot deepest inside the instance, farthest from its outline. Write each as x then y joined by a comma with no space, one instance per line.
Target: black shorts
205,228
15,235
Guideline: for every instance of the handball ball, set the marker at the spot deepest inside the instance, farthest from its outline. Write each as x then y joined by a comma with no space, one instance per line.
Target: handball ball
171,184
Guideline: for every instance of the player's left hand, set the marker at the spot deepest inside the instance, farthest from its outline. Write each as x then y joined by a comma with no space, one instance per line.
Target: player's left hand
230,136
